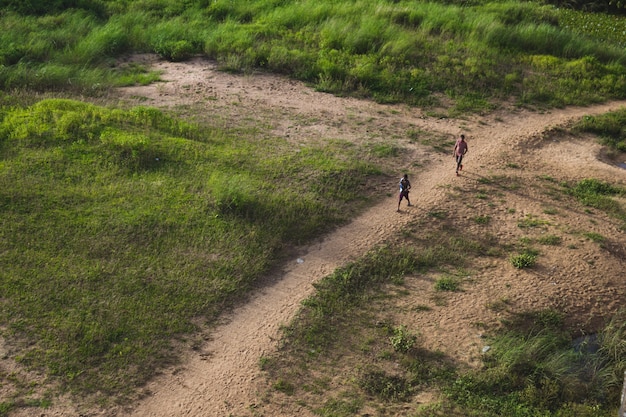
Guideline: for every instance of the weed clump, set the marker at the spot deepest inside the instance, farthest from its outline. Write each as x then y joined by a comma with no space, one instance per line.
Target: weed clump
523,260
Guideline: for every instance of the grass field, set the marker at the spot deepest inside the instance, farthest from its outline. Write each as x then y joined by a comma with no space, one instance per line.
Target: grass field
120,227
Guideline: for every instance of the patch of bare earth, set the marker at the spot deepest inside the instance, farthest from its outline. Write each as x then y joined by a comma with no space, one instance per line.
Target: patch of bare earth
508,175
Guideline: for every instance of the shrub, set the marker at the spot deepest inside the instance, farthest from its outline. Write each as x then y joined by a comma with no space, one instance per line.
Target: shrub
447,284
402,340
523,260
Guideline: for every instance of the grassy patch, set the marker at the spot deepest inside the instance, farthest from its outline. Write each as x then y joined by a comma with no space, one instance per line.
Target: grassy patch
482,219
121,227
595,237
534,368
470,54
552,240
531,221
448,283
523,260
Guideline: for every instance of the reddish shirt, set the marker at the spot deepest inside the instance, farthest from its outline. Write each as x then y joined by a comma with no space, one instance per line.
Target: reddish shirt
460,147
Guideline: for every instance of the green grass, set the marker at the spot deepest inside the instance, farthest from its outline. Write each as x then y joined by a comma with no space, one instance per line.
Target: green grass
533,368
472,54
551,240
595,237
523,260
120,227
608,127
600,195
448,283
531,221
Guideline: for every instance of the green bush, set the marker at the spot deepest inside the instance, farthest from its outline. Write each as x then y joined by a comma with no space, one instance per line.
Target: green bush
447,284
402,340
523,260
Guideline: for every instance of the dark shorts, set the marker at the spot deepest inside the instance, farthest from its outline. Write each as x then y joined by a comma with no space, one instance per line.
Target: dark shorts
403,194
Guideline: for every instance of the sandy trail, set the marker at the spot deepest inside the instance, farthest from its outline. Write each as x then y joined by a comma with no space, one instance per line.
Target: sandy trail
223,378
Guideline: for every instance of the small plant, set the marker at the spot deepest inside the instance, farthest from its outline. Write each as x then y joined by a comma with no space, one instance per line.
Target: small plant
595,237
447,284
482,219
523,260
525,240
284,387
548,318
264,362
402,340
531,221
552,240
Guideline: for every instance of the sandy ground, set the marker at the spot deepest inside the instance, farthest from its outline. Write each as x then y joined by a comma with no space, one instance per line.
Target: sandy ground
223,377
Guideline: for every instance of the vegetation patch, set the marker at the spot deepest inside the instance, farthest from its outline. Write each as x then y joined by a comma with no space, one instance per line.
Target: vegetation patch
470,55
523,260
534,368
121,227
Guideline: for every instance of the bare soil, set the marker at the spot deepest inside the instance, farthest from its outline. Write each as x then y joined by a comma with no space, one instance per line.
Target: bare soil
578,276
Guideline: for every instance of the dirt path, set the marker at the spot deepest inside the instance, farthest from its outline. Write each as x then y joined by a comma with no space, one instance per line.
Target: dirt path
223,377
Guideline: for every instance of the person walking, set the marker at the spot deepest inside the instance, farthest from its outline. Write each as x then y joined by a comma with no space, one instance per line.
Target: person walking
460,149
405,186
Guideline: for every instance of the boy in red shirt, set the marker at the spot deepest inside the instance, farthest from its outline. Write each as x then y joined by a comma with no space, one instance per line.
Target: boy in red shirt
460,149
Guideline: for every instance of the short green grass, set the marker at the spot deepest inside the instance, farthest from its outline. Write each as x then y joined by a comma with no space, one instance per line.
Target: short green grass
121,227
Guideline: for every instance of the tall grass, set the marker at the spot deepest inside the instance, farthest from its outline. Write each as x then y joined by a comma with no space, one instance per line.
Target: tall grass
536,369
386,50
120,227
609,127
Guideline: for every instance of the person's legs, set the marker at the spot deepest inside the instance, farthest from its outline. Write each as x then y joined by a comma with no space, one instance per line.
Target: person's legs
403,194
459,159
